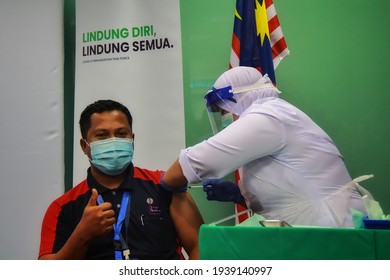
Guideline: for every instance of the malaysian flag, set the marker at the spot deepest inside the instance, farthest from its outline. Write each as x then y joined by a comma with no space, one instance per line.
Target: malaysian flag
257,42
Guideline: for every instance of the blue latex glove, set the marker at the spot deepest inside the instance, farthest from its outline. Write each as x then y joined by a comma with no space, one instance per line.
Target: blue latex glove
219,190
171,188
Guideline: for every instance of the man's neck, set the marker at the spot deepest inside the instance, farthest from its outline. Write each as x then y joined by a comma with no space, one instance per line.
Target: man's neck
110,182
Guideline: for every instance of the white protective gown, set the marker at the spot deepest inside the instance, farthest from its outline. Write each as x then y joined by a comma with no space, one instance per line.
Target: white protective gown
289,167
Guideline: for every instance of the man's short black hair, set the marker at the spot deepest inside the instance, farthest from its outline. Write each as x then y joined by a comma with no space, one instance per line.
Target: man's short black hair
101,106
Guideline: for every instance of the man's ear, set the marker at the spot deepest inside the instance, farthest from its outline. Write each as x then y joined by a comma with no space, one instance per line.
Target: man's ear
84,146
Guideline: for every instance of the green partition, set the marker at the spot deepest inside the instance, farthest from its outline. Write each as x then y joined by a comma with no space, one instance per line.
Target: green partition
206,36
336,72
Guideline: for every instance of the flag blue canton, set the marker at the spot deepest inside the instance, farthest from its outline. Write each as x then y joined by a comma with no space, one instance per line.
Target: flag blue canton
252,51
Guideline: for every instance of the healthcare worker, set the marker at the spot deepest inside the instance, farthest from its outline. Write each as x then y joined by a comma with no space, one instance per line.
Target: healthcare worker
289,167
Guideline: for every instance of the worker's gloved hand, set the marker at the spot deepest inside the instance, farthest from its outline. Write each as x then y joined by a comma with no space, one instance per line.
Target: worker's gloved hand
173,189
219,190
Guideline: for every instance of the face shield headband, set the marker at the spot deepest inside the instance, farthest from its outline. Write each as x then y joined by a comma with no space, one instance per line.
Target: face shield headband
214,96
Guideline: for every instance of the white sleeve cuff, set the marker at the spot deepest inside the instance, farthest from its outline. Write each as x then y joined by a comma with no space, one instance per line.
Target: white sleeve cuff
188,172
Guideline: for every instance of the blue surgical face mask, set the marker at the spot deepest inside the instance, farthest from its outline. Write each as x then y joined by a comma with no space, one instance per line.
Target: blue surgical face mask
226,120
113,155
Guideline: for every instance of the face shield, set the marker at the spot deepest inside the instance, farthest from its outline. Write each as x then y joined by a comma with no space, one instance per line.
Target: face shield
218,116
222,103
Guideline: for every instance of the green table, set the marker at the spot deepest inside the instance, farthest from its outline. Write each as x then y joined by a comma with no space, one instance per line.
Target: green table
260,243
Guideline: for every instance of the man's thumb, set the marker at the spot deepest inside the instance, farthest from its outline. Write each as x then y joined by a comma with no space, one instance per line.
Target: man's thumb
93,198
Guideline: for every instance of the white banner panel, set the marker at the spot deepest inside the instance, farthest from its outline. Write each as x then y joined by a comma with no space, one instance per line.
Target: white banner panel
130,51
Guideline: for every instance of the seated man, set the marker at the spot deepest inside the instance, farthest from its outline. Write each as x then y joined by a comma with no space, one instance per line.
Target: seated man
120,211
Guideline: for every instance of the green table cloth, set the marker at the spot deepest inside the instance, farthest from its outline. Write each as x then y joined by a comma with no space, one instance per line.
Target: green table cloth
295,243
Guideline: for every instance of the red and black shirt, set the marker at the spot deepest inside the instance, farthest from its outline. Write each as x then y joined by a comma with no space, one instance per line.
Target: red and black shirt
150,232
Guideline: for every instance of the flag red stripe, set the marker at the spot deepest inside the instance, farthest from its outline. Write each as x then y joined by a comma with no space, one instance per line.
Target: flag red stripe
279,47
268,3
273,23
236,45
242,217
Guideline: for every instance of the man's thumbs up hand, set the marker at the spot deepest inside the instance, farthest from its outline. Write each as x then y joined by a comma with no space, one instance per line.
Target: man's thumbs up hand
93,198
97,219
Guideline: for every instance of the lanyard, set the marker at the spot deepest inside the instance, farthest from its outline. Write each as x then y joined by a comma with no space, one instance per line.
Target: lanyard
121,248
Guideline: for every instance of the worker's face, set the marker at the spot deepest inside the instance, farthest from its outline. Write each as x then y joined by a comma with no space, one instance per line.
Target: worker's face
106,125
224,112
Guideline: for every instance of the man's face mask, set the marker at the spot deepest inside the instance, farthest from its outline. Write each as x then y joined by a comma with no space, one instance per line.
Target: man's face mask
113,155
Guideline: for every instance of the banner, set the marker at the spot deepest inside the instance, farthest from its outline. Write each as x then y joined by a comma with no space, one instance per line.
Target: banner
128,51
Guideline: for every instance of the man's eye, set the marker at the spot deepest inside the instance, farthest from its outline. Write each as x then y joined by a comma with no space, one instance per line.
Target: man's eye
100,135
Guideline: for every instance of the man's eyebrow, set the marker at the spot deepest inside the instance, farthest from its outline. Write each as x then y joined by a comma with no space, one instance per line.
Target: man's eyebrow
124,128
99,130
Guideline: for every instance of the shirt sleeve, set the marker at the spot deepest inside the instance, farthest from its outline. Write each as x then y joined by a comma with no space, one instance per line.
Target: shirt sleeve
48,230
250,137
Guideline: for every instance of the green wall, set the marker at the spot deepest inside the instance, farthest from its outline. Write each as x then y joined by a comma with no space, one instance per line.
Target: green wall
206,39
336,72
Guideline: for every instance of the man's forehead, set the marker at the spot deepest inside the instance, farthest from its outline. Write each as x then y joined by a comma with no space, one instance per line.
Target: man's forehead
108,115
111,118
